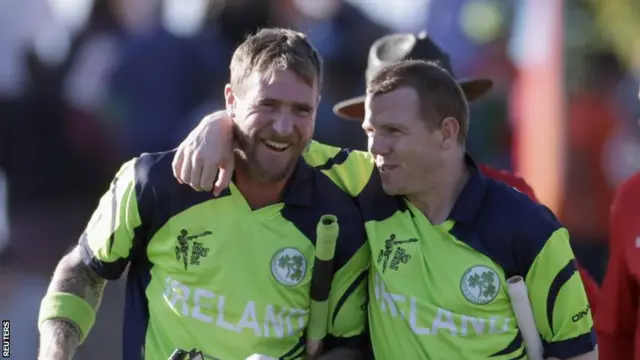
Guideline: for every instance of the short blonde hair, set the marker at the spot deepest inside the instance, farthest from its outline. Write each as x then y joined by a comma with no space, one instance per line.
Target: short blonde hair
276,49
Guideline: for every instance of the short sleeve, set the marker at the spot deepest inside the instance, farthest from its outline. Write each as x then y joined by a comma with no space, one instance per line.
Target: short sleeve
558,299
110,235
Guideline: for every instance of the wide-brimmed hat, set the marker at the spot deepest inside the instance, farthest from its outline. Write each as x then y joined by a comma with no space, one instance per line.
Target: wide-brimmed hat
398,47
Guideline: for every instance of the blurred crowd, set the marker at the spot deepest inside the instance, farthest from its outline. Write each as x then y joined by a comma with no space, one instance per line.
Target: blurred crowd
88,84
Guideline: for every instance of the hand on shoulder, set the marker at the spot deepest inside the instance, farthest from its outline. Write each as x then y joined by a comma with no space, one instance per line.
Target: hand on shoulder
204,160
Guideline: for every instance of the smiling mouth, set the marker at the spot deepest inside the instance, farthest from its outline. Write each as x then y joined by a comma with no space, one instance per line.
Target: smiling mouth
276,146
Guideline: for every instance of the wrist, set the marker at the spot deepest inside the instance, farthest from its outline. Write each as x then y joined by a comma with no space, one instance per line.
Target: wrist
59,340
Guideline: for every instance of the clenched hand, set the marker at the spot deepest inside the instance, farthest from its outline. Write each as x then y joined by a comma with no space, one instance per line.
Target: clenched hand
204,159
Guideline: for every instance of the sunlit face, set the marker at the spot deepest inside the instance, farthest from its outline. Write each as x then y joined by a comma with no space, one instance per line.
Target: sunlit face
406,152
274,118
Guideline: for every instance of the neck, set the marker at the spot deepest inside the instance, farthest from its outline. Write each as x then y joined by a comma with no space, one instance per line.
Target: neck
437,200
257,194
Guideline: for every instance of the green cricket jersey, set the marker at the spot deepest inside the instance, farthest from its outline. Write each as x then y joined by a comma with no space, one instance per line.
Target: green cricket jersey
210,273
440,292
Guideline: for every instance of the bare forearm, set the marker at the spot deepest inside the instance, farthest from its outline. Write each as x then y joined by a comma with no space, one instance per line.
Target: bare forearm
60,338
73,276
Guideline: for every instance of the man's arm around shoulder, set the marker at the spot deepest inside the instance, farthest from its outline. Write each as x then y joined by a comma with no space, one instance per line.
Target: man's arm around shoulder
73,284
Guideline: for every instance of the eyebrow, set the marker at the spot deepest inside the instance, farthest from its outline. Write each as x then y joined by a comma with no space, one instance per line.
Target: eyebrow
296,104
385,124
303,106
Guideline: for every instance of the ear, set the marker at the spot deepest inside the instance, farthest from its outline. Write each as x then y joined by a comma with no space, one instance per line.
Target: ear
449,128
230,100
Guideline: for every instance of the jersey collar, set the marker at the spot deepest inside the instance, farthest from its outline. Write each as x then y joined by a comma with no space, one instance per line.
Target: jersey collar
470,199
300,186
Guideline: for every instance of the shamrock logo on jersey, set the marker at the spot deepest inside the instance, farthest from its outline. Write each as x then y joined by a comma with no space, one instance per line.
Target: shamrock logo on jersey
480,284
289,266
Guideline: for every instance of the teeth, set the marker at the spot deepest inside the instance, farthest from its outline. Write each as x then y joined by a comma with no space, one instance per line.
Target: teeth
276,145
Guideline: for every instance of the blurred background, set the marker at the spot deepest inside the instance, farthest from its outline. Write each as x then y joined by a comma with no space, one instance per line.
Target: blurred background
88,84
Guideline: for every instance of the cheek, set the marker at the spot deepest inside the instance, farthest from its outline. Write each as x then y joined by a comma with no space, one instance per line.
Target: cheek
305,128
413,159
253,123
405,149
430,160
416,158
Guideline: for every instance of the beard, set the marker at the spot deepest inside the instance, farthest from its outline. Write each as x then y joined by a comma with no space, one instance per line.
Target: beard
247,149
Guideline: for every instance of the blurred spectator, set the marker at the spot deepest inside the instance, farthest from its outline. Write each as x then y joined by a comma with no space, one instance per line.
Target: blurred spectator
238,18
617,320
95,54
592,116
490,138
622,157
21,23
159,80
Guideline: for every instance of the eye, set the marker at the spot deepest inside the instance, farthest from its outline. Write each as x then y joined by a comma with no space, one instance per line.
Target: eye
392,130
267,104
302,110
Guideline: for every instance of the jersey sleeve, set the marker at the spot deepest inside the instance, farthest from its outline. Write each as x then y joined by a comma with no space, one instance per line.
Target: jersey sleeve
348,169
520,184
348,296
616,320
110,237
558,299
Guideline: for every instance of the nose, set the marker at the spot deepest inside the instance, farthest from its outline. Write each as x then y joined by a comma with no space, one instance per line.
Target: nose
283,123
378,145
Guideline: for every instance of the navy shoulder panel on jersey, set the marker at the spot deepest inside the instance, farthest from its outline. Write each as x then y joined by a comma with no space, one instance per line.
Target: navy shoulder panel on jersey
504,224
159,195
374,203
324,197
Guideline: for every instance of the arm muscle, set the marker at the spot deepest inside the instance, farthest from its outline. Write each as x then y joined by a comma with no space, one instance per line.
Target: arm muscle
60,338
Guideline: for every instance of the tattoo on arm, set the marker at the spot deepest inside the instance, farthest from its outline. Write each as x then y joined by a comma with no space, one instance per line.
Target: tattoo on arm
60,338
73,276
